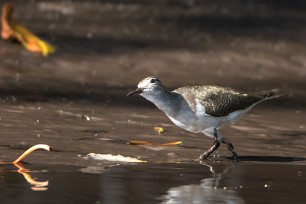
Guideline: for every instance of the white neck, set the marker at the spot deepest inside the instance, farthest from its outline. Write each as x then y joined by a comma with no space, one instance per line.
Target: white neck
171,103
165,100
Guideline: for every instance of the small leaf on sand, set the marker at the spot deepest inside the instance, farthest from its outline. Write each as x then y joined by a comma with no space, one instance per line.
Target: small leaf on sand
13,30
159,129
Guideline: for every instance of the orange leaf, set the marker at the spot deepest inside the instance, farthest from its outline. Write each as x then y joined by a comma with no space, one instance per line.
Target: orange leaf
13,30
139,143
145,143
6,19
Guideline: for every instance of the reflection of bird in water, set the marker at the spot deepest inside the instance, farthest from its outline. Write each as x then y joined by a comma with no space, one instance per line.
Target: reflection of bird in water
208,191
202,108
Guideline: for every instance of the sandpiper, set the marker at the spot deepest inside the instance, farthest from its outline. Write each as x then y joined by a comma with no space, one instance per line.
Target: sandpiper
202,109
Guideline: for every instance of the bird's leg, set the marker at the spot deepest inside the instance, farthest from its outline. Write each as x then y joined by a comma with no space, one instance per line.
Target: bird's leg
230,147
210,150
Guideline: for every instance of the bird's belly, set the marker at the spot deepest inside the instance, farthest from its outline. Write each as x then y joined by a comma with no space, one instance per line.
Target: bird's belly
199,123
195,124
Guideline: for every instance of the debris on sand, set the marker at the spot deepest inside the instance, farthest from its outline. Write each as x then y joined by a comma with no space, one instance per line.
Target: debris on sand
115,158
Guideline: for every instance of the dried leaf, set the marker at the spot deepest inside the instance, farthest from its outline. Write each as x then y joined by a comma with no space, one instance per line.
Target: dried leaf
172,143
136,142
13,30
159,129
6,17
115,158
145,143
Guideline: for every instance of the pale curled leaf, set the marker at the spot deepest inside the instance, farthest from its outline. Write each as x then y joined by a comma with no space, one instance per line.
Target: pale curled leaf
30,150
115,158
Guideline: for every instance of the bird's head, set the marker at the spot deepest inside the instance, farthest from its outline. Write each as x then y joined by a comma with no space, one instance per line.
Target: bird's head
147,85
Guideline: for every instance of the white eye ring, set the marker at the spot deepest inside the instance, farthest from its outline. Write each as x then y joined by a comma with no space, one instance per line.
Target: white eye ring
152,81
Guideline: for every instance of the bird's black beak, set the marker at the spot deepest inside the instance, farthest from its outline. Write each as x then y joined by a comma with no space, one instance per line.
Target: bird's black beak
136,91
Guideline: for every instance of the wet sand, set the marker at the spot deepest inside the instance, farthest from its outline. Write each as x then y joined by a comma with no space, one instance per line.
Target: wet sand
104,50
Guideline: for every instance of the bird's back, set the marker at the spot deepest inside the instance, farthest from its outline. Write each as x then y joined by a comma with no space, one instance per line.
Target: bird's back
221,101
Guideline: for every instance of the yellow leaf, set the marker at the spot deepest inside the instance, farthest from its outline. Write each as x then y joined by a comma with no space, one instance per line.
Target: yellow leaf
172,143
159,129
13,30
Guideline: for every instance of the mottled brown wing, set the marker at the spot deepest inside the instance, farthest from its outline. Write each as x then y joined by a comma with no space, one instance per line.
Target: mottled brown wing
218,101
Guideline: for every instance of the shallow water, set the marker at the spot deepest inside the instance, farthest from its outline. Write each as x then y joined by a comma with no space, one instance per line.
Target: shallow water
75,101
212,182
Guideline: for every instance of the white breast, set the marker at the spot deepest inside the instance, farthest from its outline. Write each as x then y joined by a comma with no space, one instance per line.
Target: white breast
199,121
194,121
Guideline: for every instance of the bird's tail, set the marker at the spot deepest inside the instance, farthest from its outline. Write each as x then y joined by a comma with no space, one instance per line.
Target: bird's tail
264,95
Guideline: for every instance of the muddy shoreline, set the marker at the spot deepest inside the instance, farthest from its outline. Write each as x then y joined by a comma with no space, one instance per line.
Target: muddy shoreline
104,49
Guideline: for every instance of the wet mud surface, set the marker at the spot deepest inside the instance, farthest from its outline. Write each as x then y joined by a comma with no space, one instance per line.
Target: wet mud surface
75,101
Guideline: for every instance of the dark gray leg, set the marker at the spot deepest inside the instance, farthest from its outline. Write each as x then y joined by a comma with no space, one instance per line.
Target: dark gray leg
218,140
211,150
230,147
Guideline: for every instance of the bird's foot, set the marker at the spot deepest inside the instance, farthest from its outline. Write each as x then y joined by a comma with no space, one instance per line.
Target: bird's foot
235,156
205,156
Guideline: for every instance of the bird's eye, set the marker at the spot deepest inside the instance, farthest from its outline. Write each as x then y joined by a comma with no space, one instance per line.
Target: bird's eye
152,81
